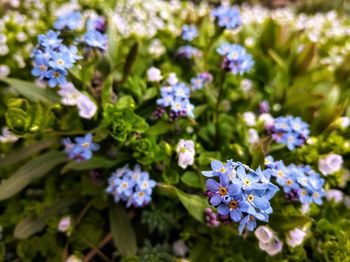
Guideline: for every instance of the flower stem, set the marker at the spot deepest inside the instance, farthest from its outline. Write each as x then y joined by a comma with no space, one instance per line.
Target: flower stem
217,109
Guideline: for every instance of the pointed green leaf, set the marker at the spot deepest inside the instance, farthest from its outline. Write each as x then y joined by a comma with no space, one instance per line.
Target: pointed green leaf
31,91
26,152
281,222
93,163
194,204
191,179
123,233
34,169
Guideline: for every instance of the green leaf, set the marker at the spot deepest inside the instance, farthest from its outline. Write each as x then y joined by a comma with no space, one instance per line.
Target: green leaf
123,233
285,222
191,179
130,59
93,163
31,91
107,91
161,127
113,40
26,152
125,102
199,110
34,169
258,151
31,225
194,204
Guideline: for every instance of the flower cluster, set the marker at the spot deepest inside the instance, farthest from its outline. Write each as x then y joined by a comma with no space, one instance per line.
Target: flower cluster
242,194
298,182
201,80
236,59
330,164
70,96
176,96
289,130
211,218
188,52
227,16
95,36
189,32
186,153
52,59
82,148
132,186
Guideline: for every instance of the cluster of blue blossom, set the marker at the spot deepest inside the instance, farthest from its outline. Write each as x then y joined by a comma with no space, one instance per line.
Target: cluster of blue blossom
176,96
241,195
189,32
236,59
227,16
52,59
95,36
289,130
200,80
188,52
82,148
298,182
132,186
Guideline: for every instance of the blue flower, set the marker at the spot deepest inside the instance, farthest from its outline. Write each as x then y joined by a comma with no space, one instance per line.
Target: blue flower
188,52
200,80
189,32
61,61
40,68
291,131
56,77
241,195
71,21
96,39
248,222
227,16
82,148
236,59
50,39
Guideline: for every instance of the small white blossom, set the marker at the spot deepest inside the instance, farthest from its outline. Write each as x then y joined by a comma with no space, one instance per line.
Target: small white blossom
4,71
335,195
253,136
69,94
87,108
154,74
186,153
7,136
249,118
295,237
267,120
330,164
263,234
172,79
273,247
73,258
64,224
180,249
246,85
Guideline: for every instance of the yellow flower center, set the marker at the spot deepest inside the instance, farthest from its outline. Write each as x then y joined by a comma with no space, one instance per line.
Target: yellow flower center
42,68
250,198
86,145
223,191
141,194
233,204
124,185
222,170
289,182
247,182
60,62
280,173
56,74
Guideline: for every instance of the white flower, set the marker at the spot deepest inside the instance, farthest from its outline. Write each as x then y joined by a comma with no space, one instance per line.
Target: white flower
7,136
87,108
246,85
73,258
263,234
4,71
172,79
156,48
154,74
64,224
330,164
272,247
4,49
253,136
249,118
69,94
179,247
334,195
267,120
295,237
344,121
186,153
305,208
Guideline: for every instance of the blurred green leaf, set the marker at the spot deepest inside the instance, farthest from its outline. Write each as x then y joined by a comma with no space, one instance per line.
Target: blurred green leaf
130,59
31,91
286,222
26,152
191,179
194,204
122,230
33,169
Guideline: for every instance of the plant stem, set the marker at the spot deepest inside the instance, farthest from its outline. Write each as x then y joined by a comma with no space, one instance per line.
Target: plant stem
96,250
217,109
